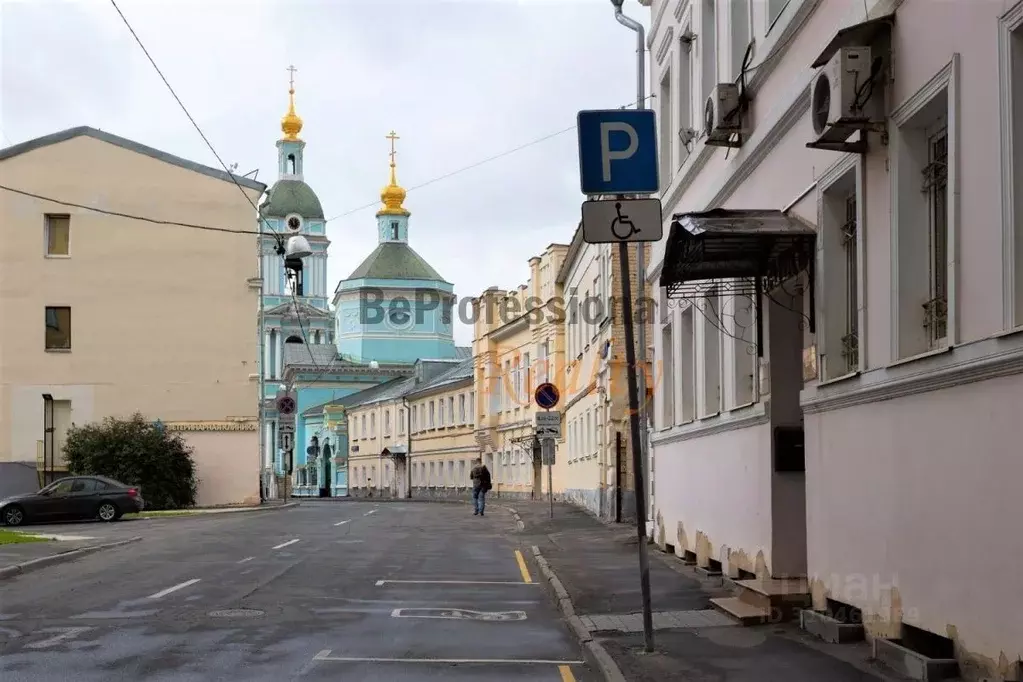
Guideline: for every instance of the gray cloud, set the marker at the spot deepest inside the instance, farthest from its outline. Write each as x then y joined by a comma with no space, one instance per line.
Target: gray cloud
458,81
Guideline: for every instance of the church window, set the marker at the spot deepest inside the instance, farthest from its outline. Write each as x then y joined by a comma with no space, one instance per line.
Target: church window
399,317
291,164
293,339
394,229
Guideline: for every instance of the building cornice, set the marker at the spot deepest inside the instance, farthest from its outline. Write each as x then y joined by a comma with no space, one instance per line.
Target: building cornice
992,358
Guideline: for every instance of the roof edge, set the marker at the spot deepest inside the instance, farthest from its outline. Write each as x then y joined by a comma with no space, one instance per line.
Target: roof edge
130,145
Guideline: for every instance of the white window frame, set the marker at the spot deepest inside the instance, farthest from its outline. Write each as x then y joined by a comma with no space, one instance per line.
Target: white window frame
688,384
739,9
666,132
709,332
1011,120
740,351
686,67
947,81
47,224
709,68
851,165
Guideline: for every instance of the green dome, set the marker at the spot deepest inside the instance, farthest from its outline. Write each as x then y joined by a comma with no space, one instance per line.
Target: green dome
292,196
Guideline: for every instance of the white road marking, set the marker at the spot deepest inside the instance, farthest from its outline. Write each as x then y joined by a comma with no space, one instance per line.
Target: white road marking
62,635
248,558
456,582
285,544
113,615
459,614
62,538
341,523
175,588
371,511
325,656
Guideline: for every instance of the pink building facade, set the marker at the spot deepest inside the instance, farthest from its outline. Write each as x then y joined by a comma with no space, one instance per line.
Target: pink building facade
841,415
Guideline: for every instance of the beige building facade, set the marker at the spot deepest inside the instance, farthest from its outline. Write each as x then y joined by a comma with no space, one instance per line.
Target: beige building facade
828,433
100,316
596,467
518,337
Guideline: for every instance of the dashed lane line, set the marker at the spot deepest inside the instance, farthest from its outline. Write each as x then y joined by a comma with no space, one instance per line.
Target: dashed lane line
371,511
285,544
246,559
175,588
341,523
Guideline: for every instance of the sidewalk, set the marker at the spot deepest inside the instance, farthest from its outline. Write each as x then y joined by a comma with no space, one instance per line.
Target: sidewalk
598,566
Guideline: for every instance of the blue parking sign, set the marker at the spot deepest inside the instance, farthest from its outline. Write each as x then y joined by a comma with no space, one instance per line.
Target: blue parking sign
618,151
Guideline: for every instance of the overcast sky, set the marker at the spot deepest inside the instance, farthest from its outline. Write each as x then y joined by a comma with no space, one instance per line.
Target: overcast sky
459,81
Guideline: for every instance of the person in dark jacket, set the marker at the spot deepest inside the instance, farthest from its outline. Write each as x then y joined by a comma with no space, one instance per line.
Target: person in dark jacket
480,476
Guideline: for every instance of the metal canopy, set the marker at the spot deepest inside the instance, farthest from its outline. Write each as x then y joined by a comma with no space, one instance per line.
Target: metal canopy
863,33
746,249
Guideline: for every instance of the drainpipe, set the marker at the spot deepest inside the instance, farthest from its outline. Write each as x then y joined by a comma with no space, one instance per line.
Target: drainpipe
634,25
408,445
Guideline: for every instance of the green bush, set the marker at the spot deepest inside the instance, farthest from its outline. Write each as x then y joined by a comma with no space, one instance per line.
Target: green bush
137,452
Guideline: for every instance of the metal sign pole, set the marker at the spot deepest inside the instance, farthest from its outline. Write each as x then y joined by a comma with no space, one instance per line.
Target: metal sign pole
637,452
549,452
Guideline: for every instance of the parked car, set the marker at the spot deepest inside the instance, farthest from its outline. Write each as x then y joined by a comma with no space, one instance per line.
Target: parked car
74,497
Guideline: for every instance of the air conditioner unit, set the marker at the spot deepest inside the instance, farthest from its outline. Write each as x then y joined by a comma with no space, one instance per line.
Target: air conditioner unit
721,115
840,94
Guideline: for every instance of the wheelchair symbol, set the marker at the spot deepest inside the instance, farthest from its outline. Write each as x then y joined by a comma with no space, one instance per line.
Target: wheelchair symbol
618,224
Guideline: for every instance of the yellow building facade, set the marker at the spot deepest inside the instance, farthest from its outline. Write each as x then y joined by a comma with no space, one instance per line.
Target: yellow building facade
517,345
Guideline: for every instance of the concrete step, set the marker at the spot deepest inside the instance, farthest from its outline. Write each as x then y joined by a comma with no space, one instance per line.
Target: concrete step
785,596
740,611
830,629
913,664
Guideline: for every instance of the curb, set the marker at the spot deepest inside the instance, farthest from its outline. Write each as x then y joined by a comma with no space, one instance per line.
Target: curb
64,557
380,500
215,511
518,519
610,669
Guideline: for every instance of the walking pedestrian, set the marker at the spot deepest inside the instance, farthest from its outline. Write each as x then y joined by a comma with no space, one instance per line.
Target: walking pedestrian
481,485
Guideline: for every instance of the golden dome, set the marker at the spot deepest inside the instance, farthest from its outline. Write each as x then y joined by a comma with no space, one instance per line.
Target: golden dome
393,196
291,123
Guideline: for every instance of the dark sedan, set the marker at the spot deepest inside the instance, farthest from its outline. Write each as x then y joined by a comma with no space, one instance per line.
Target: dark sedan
75,497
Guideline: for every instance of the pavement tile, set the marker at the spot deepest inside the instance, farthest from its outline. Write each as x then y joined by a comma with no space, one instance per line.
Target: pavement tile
598,565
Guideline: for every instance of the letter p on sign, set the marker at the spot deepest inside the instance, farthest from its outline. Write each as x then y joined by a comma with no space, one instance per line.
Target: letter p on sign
607,155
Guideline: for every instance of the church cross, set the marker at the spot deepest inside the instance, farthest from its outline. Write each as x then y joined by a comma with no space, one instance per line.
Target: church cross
291,78
392,137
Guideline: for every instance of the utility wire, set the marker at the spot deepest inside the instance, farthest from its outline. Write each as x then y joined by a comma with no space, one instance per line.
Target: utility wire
198,129
130,216
477,164
212,228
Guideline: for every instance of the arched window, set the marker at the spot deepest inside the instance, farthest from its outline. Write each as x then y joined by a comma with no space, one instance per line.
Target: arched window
293,339
291,164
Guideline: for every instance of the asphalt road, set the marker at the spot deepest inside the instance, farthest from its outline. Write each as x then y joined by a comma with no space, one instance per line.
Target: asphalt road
355,591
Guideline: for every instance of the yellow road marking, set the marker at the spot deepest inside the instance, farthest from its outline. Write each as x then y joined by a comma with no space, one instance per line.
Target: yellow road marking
566,673
522,567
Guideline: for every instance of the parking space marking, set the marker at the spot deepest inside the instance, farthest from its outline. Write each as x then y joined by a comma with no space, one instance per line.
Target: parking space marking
341,523
371,511
523,569
325,655
285,544
566,673
62,634
175,588
451,582
246,559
